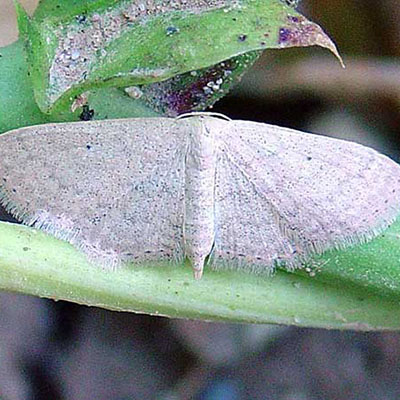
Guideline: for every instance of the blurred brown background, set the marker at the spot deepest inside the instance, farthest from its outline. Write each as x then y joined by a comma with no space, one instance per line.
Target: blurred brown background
64,351
8,24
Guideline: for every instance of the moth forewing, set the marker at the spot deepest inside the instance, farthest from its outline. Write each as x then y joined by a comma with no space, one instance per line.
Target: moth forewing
239,194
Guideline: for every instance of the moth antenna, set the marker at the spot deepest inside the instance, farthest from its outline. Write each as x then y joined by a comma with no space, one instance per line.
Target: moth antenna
203,114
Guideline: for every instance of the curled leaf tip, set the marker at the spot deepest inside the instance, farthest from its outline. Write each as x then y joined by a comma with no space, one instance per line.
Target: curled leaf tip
300,32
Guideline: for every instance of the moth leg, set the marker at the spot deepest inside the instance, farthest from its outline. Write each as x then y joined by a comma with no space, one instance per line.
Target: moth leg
198,267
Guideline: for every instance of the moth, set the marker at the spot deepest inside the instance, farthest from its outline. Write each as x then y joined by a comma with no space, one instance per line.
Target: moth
222,194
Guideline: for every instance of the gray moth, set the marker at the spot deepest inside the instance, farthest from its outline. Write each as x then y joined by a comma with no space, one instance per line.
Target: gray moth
225,194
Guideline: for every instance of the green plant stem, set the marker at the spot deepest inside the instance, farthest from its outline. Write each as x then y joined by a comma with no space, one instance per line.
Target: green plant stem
35,263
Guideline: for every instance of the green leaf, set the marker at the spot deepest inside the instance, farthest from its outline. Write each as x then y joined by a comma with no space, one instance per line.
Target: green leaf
182,93
18,106
358,288
63,9
196,90
119,45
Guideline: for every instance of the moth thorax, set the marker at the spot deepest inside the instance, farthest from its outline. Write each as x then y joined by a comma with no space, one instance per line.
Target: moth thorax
199,198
